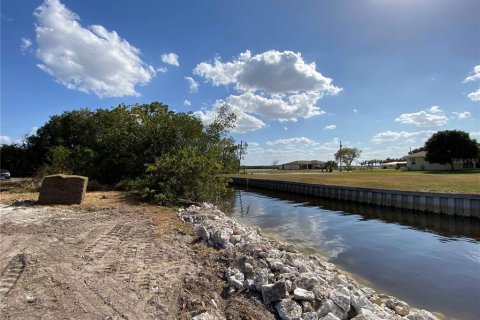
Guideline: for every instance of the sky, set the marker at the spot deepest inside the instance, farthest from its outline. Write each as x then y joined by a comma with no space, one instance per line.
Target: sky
301,76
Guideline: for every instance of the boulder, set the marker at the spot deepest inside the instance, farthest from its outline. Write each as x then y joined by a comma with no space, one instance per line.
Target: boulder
289,310
303,295
309,316
274,292
330,316
63,189
421,315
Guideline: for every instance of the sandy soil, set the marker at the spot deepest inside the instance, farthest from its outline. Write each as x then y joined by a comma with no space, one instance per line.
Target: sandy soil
110,258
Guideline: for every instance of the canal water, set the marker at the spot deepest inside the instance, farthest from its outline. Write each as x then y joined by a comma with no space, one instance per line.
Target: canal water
430,261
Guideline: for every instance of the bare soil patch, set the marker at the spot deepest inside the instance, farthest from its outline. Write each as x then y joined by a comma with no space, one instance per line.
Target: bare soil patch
109,258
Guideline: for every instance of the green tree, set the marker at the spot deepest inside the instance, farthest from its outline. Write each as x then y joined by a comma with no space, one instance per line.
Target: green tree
347,155
450,146
185,174
330,165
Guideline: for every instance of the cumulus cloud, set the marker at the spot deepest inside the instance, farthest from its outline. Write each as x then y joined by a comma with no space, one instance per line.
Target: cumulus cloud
475,95
277,108
25,44
330,127
170,58
187,103
402,136
244,122
430,117
271,71
463,115
192,84
355,110
5,140
475,75
272,85
90,59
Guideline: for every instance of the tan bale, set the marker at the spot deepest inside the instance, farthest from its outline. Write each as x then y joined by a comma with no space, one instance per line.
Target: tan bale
63,189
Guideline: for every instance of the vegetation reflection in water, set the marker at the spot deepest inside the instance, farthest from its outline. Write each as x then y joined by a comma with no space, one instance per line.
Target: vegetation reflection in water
431,261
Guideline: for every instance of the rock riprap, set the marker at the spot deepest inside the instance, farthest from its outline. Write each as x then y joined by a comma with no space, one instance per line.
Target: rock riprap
289,283
63,189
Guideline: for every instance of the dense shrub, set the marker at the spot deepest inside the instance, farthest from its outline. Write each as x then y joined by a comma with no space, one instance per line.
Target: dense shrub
182,156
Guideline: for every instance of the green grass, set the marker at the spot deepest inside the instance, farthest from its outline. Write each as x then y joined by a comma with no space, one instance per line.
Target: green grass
450,182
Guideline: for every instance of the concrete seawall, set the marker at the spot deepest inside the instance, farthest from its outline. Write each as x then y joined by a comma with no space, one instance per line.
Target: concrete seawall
464,205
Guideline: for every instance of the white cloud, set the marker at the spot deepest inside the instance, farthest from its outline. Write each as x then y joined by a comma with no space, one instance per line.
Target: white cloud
273,85
330,127
33,131
475,135
5,140
192,83
244,122
161,69
89,59
430,117
435,109
475,95
25,44
355,110
285,128
474,76
187,103
291,149
402,137
291,141
276,107
272,72
170,58
463,115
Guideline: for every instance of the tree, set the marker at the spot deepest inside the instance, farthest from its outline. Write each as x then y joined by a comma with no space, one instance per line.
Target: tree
274,163
347,155
330,165
450,146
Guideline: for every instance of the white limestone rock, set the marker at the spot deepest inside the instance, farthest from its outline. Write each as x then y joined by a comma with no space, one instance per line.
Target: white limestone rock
303,295
289,310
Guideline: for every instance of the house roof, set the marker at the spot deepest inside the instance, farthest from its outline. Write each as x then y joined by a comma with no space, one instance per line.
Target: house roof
417,154
306,162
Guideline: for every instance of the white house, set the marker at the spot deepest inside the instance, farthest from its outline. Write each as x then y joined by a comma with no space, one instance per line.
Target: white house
417,161
302,164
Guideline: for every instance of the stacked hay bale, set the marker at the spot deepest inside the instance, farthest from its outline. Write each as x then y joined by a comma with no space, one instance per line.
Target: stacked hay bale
63,189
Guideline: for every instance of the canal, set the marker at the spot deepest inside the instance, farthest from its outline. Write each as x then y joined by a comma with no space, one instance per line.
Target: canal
430,261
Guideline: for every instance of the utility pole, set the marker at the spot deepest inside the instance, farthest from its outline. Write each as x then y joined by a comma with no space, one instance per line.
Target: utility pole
340,165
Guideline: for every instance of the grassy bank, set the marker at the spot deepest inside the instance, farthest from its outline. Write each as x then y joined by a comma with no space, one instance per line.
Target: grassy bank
451,182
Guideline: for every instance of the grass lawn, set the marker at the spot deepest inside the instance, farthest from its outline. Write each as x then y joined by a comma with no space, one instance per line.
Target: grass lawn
451,182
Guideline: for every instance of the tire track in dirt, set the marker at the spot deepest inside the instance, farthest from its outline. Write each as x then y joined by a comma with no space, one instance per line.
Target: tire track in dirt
11,274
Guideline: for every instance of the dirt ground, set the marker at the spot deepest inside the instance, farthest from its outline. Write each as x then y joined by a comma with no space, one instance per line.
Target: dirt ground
109,258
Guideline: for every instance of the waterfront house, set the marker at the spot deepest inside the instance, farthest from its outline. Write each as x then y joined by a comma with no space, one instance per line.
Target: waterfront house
417,161
302,165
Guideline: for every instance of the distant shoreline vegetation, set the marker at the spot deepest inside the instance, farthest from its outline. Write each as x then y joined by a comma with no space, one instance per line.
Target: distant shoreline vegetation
161,154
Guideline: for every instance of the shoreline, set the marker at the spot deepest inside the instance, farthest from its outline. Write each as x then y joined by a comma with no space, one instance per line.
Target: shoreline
453,204
290,284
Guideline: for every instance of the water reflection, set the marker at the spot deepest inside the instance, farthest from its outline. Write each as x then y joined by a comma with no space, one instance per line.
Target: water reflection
450,227
431,261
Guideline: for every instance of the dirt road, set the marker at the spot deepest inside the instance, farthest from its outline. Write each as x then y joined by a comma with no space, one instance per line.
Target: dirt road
110,258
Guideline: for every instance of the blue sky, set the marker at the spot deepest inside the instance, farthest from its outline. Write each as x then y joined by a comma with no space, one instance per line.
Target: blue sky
380,75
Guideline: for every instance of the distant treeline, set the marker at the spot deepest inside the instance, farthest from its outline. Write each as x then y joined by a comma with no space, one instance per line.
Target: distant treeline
160,153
